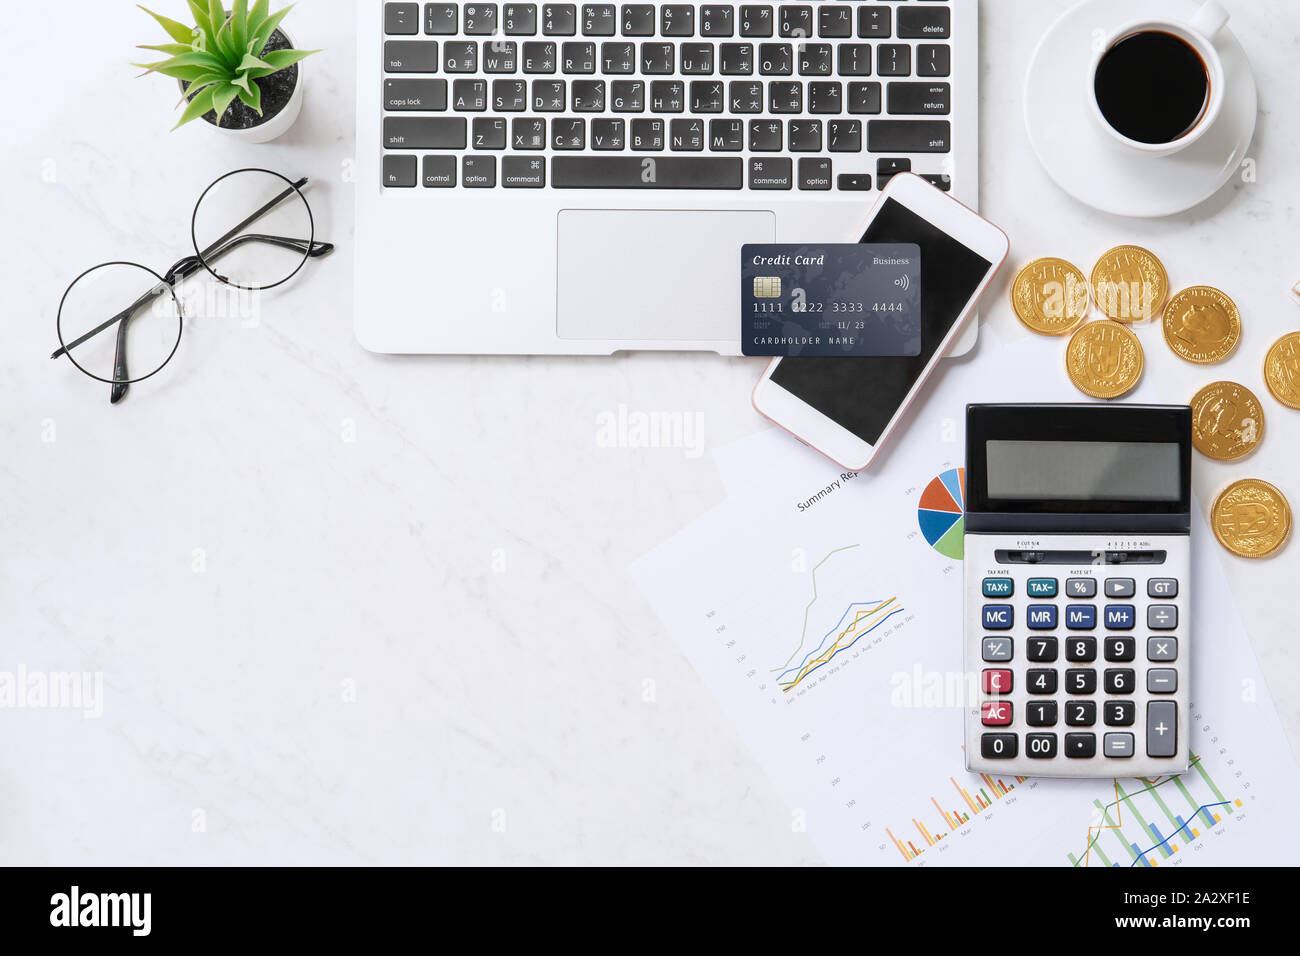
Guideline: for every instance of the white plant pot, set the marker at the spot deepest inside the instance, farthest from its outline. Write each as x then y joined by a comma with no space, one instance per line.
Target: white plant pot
278,124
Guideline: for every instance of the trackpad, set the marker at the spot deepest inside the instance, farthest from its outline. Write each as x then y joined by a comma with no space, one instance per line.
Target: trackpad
653,274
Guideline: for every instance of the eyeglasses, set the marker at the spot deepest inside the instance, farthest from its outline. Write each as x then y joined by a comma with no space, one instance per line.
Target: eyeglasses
147,331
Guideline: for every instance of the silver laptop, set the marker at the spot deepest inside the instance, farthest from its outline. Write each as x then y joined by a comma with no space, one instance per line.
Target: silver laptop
578,178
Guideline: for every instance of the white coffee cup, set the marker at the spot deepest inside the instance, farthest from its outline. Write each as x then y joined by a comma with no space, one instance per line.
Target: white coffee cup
1198,33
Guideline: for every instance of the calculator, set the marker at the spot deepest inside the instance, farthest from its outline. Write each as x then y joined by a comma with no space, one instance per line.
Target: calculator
1077,550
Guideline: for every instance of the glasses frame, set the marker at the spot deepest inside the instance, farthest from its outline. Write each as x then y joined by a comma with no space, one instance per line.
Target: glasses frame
184,268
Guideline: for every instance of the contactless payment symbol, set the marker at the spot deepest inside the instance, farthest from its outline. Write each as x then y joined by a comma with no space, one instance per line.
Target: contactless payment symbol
767,287
941,513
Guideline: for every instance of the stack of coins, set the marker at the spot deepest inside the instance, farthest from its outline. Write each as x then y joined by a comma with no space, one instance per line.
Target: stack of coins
1202,325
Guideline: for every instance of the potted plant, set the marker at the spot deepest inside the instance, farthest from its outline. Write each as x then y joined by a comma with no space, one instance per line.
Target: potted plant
237,69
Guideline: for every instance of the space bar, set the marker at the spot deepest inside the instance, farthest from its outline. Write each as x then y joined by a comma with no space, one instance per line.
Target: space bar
646,172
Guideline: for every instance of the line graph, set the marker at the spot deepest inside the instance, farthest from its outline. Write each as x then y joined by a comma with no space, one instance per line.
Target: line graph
867,616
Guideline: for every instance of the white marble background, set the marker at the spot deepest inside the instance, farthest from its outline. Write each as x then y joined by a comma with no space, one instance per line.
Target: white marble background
443,540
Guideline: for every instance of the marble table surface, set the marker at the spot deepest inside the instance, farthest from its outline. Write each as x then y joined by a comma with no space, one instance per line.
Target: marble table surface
348,608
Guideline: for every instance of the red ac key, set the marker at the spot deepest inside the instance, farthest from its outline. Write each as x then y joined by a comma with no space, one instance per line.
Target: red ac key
995,713
997,681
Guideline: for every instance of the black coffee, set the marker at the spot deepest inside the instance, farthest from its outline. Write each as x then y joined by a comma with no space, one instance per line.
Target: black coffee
1152,87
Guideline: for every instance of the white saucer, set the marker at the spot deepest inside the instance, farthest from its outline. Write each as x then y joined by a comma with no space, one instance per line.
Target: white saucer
1086,162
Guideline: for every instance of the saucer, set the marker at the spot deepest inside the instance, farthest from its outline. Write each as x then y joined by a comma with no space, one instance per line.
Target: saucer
1091,166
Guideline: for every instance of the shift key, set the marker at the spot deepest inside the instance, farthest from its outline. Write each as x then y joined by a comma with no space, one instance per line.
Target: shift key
909,136
424,132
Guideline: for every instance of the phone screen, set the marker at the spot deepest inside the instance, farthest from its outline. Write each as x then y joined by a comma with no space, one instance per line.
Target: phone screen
862,395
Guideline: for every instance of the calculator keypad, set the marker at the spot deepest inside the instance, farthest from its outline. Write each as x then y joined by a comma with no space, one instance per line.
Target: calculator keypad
1081,671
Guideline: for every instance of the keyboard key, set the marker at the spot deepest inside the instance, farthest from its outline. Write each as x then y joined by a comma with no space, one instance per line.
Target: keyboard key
1081,650
1120,617
627,96
415,94
1120,649
874,22
1041,649
1119,680
559,19
727,135
577,57
697,59
1162,588
845,136
488,132
834,20
638,19
853,182
424,132
1162,680
460,56
1080,746
411,56
438,172
523,172
736,59
997,617
1081,713
481,20
441,18
647,135
667,96
756,21
469,96
568,134
1162,617
527,133
998,746
707,96
805,136
599,19
814,173
1040,746
500,56
996,713
401,19
677,20
1040,680
1162,728
1119,713
478,172
864,97
745,97
1081,617
1081,680
400,171
909,136
775,59
519,19
996,681
828,97
814,59
933,60
1081,587
1120,588
540,56
893,59
995,649
1040,713
588,96
765,136
1041,617
686,135
657,58
924,22
716,21
608,134
771,173
785,97
630,172
919,99
1035,587
795,21
853,59
618,58
888,168
1119,746
549,96
1162,648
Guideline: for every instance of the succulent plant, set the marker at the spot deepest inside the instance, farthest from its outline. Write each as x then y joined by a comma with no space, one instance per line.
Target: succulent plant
221,55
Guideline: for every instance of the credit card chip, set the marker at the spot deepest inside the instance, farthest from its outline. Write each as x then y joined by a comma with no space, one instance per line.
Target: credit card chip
767,287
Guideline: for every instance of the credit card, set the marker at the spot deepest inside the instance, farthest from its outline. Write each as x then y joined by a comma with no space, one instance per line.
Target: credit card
838,299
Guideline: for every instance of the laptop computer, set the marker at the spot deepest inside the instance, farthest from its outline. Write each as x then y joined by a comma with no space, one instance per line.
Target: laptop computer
578,178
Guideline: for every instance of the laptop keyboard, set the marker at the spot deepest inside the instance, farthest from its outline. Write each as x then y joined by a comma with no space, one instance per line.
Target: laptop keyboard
820,97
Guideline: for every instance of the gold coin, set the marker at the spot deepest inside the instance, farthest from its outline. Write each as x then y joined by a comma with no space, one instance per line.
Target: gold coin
1282,370
1129,283
1227,421
1202,325
1251,518
1104,359
1050,296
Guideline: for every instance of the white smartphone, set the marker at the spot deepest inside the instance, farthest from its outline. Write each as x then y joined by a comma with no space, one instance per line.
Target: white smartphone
846,408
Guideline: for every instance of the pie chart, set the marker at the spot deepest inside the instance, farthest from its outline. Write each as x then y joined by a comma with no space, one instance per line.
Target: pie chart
941,512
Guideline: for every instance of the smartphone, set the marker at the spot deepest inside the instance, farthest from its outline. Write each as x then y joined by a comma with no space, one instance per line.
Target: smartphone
846,408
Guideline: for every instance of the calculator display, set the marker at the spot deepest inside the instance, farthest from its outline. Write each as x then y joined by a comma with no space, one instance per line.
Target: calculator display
1083,470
